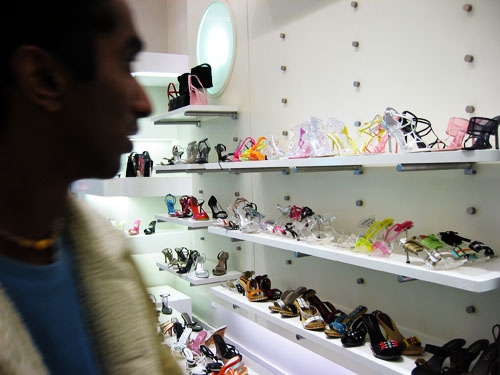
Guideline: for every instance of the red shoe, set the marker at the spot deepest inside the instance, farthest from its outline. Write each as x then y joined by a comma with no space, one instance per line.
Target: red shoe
184,201
198,212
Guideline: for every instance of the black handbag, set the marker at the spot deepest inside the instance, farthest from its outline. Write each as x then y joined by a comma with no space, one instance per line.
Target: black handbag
132,162
204,74
147,164
139,165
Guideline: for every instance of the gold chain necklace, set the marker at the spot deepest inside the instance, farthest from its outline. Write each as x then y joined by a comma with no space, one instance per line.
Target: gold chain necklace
39,245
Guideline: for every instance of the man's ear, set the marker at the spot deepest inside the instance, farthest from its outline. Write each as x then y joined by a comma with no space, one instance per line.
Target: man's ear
40,77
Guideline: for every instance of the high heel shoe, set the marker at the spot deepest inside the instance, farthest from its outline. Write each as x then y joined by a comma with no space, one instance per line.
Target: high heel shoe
456,130
196,208
195,344
434,364
221,149
203,151
151,228
489,361
355,336
221,267
339,327
247,143
209,340
199,267
177,153
134,231
191,152
264,284
461,359
309,315
165,309
170,202
326,309
169,256
225,351
386,350
182,255
480,129
188,322
193,255
186,211
409,346
217,211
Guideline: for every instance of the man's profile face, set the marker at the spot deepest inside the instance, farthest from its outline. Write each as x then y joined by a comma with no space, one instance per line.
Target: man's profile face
106,108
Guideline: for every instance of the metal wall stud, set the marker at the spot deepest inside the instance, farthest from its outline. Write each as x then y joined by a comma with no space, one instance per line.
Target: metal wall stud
288,262
359,203
470,309
354,4
355,44
284,100
236,193
470,109
200,191
468,58
286,198
356,83
360,280
357,123
202,238
283,68
235,139
471,210
285,133
467,8
282,35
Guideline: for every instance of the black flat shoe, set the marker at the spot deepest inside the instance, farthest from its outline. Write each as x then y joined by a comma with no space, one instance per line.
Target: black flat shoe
151,228
433,365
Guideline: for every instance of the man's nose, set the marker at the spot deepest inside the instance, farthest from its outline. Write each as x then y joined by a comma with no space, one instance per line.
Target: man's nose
142,105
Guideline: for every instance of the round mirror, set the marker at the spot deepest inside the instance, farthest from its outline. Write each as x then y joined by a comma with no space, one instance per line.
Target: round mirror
215,44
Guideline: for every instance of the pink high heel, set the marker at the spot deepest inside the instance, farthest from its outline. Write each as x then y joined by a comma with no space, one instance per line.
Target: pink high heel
457,129
194,345
135,228
238,152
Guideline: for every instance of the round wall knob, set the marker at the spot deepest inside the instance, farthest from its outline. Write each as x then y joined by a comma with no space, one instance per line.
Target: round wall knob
468,58
359,203
470,109
470,309
354,4
284,100
360,280
282,35
356,83
355,43
283,68
235,139
284,132
467,7
471,210
357,123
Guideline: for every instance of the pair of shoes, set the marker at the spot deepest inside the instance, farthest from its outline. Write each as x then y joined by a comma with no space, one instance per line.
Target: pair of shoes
221,267
134,231
190,261
217,211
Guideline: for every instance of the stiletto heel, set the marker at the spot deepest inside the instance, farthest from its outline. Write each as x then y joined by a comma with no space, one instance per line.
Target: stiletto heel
480,129
386,350
225,351
170,202
199,267
151,228
195,344
309,315
220,149
203,151
182,255
217,211
188,322
196,208
221,267
193,255
191,152
186,211
134,231
164,304
177,152
209,340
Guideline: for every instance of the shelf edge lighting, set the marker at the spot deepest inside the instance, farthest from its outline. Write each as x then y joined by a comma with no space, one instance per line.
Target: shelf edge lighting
156,68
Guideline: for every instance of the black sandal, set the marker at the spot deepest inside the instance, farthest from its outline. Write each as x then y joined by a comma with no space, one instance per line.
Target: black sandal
203,150
220,149
356,335
433,365
461,359
382,349
489,361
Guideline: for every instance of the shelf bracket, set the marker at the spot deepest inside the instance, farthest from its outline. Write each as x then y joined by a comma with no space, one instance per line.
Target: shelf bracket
232,114
299,337
235,240
296,254
235,307
178,122
358,169
467,167
405,279
171,171
191,228
283,170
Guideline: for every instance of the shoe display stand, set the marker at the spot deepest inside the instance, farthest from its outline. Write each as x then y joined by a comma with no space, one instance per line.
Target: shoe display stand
195,281
361,355
194,114
475,278
134,186
176,300
190,223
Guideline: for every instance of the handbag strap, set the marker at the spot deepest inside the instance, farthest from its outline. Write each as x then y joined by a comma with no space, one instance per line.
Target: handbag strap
171,92
190,85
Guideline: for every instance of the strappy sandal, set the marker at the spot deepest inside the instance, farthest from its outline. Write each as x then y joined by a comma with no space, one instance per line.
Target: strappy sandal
309,315
264,284
328,312
461,359
434,364
339,327
286,306
252,291
409,345
489,361
356,335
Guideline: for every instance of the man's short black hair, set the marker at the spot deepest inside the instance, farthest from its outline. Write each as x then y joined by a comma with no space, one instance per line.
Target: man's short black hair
65,28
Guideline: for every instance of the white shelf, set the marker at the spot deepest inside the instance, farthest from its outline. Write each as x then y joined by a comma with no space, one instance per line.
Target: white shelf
189,222
195,281
481,277
159,69
194,114
361,355
177,300
135,186
156,242
352,161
